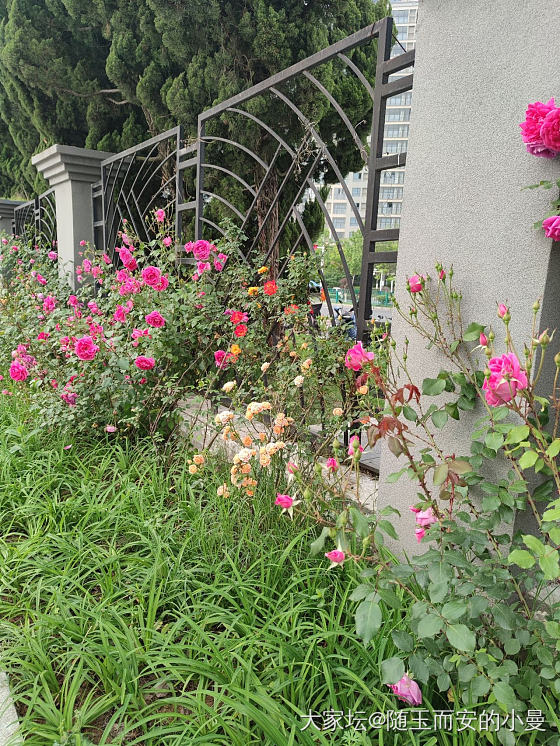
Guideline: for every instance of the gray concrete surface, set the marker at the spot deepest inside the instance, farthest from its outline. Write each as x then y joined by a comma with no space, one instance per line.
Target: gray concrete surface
478,65
8,716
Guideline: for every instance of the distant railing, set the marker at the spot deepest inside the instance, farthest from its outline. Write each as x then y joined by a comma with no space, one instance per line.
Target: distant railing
36,220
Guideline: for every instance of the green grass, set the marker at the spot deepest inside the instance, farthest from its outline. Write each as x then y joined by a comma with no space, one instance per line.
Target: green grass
136,607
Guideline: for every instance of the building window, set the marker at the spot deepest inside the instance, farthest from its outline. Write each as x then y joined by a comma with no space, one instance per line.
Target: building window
388,222
396,130
339,208
357,176
338,192
401,99
393,177
395,146
400,16
391,193
398,115
353,222
356,191
339,223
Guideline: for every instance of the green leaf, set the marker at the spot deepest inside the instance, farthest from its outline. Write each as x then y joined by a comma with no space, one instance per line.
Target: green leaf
359,593
319,544
505,696
368,620
433,386
396,475
389,529
480,686
429,626
360,523
460,466
528,459
440,474
443,682
517,434
454,610
439,418
549,565
473,332
438,591
409,413
553,449
494,441
552,515
403,641
534,545
392,670
522,558
461,637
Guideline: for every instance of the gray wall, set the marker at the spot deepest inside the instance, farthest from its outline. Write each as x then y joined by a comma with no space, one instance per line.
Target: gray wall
478,65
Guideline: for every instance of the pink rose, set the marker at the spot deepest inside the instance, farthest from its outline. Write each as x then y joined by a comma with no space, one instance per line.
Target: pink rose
222,358
550,130
202,267
41,279
552,227
502,310
424,518
337,556
18,372
163,284
167,241
356,357
151,276
483,339
291,467
189,246
111,429
49,304
507,377
534,118
85,348
160,216
407,690
354,447
420,533
144,363
52,255
155,319
332,464
415,283
70,399
120,314
540,151
284,501
202,249
106,259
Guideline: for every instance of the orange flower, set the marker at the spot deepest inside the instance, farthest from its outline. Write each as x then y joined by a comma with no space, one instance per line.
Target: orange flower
235,350
290,309
262,270
253,291
270,288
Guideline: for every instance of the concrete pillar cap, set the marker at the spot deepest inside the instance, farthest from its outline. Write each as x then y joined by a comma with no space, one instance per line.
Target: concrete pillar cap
61,163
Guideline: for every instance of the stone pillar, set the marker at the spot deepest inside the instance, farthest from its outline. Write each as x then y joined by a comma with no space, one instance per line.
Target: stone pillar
463,198
71,171
7,207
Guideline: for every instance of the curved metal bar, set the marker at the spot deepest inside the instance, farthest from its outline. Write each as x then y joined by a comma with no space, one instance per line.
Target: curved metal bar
225,202
329,157
213,138
159,165
230,173
340,111
268,129
358,73
151,202
217,227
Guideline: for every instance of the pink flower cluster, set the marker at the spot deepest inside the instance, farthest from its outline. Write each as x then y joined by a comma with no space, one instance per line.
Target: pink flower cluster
541,129
202,252
424,519
357,357
506,378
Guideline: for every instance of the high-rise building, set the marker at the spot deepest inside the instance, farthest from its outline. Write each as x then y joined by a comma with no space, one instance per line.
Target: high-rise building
395,141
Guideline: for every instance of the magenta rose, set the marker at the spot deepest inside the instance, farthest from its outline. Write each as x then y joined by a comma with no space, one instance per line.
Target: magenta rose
507,377
550,130
540,150
415,283
151,276
552,227
85,348
163,284
534,118
155,319
144,363
336,556
284,501
18,372
356,357
407,690
201,250
222,358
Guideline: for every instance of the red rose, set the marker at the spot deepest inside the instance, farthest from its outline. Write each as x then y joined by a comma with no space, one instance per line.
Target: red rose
270,288
240,330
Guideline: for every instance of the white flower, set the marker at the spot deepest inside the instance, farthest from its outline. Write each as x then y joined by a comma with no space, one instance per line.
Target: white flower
229,386
298,381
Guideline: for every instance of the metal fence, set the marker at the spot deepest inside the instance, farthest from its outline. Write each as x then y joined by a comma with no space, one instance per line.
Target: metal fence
36,220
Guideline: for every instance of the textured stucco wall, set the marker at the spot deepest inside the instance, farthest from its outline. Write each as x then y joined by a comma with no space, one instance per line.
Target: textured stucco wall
478,64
